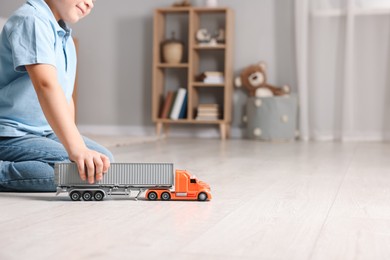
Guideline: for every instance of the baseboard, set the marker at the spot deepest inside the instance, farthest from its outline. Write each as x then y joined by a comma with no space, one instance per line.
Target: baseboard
174,131
207,131
114,130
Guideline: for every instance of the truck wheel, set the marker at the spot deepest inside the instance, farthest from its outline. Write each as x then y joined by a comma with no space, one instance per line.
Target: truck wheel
87,196
75,195
152,196
202,196
98,196
165,196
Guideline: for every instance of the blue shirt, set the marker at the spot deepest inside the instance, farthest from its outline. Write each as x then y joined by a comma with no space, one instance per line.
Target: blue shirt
32,36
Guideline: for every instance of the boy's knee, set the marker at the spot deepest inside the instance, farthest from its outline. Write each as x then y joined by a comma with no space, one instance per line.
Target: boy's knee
54,157
26,176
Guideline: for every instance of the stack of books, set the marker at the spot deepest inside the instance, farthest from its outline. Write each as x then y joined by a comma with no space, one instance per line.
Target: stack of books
211,77
208,112
175,104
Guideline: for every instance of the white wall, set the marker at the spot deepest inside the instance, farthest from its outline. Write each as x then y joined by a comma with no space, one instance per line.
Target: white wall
116,55
2,22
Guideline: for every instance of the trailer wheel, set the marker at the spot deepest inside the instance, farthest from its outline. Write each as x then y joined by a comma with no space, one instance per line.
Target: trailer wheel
202,196
165,196
87,195
75,195
152,196
98,196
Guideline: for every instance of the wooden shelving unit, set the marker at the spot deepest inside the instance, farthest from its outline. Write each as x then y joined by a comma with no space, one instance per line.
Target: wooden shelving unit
188,21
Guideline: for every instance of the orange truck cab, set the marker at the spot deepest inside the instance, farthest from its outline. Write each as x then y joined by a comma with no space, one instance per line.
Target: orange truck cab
187,187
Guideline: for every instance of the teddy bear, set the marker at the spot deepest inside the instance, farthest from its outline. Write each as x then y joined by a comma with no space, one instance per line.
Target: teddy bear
254,80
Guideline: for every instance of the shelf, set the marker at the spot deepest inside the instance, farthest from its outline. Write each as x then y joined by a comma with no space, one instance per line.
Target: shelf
188,121
174,10
210,9
186,9
207,85
169,65
209,47
197,57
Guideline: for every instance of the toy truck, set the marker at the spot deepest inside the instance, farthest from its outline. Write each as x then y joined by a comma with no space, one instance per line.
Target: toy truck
155,180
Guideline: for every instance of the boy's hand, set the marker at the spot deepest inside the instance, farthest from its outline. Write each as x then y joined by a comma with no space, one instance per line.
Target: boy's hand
90,164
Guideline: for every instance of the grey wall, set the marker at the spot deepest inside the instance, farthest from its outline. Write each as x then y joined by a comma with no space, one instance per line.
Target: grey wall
116,55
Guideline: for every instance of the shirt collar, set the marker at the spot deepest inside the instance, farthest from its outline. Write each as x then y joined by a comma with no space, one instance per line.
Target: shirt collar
42,7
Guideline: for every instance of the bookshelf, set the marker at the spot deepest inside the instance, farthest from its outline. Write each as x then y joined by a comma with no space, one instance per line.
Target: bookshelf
197,58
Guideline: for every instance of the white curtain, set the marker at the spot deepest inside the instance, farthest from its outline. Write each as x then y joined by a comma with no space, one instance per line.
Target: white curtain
343,66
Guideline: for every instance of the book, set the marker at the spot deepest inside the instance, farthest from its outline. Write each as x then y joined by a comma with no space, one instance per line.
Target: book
208,107
208,112
183,110
167,105
171,106
213,73
214,80
211,77
178,103
202,113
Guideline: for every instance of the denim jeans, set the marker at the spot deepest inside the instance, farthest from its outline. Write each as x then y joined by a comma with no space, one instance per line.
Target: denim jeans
27,162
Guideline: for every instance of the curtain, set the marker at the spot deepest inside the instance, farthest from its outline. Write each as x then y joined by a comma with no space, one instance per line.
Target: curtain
343,69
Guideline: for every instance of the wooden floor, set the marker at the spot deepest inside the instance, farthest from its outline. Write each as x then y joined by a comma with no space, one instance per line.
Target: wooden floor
271,201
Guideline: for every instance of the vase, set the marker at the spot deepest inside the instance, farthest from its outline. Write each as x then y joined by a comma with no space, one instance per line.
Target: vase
211,3
172,50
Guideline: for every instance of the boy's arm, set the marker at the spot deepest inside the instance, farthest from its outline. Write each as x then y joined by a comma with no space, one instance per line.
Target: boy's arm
72,109
59,115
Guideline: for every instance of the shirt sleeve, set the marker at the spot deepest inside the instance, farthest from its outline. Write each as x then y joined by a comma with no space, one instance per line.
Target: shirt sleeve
32,42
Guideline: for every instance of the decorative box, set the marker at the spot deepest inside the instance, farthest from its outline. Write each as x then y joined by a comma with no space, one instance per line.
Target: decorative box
272,118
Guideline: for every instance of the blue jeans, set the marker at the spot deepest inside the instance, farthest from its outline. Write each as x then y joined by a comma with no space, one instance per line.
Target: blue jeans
27,162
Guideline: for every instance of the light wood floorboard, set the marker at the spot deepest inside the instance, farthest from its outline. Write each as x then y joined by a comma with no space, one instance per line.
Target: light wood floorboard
271,201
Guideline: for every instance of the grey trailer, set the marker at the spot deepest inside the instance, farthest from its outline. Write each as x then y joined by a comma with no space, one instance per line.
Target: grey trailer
121,179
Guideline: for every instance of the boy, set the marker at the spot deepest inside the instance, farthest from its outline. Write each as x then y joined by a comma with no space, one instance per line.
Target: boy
37,73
